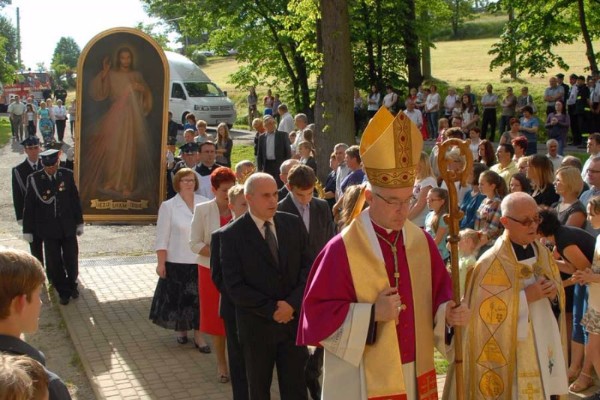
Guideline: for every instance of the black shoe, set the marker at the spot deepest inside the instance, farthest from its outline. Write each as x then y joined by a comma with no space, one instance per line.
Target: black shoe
64,300
182,339
75,294
202,349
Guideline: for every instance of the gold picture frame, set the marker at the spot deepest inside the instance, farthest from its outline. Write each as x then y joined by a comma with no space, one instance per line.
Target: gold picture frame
121,127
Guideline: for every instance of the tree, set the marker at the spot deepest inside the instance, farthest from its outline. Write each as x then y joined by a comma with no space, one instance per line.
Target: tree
537,27
334,106
461,9
260,31
64,60
8,47
154,31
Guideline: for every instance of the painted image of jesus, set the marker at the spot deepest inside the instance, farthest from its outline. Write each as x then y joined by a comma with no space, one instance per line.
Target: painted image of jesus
117,151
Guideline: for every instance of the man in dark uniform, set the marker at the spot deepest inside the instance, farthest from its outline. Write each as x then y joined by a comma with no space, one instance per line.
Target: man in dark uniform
19,186
582,109
60,94
53,212
172,129
208,157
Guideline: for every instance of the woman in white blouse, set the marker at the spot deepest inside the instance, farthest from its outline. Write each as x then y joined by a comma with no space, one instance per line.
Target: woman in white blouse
423,183
209,217
175,302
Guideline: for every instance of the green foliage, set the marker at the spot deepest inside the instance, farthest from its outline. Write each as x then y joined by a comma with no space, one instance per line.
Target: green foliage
199,59
156,33
258,30
5,131
66,52
479,28
8,47
538,27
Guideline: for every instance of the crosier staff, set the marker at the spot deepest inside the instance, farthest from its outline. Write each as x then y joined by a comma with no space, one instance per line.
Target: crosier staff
452,219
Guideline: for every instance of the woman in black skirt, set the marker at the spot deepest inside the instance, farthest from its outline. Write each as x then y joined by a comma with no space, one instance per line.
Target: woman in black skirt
176,303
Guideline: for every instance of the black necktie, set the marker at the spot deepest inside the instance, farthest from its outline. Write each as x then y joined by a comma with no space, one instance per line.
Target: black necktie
35,167
271,241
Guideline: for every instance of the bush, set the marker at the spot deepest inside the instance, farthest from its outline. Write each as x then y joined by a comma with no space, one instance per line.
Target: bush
199,59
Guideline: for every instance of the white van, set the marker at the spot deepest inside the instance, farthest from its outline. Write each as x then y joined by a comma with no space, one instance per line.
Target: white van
192,91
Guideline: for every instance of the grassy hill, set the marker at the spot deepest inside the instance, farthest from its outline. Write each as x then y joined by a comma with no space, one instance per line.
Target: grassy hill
454,63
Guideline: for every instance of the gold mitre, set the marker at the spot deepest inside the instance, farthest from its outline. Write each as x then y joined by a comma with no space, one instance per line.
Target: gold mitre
390,150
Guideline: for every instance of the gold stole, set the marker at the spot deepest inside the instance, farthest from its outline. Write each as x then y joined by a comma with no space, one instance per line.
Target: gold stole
382,364
492,336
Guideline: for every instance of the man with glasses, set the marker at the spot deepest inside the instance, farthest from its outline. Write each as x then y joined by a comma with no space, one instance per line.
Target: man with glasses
593,148
514,293
208,163
31,145
378,296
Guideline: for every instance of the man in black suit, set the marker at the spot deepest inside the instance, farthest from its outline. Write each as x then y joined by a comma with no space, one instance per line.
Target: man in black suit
265,265
19,186
53,212
316,215
314,212
273,149
237,367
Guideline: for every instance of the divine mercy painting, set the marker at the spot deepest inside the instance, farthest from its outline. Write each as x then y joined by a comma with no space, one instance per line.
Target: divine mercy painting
122,95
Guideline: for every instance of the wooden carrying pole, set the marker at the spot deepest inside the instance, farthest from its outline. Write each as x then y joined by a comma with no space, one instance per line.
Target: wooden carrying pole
452,219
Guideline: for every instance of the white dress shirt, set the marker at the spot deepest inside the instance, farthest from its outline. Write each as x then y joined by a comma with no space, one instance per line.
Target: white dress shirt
173,229
287,123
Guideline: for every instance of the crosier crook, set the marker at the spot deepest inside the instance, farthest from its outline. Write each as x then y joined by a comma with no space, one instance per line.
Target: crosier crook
452,219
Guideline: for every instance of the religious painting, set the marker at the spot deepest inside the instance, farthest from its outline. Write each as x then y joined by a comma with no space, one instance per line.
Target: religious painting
122,100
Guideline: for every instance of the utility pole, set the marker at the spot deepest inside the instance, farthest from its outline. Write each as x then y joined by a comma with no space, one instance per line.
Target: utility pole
19,39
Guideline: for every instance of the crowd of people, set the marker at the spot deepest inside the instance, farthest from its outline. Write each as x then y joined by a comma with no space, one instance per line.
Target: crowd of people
351,276
573,107
30,116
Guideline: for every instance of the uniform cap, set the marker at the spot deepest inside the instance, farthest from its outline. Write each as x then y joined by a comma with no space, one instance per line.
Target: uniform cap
31,141
49,157
189,148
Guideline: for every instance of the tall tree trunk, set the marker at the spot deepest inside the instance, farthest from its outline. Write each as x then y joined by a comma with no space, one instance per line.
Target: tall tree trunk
426,60
513,57
411,45
589,48
369,42
426,48
334,105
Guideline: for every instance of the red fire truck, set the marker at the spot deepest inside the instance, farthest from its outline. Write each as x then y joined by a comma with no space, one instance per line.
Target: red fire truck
36,84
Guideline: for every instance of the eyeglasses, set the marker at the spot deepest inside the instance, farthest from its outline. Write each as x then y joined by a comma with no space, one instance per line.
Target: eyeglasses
430,199
528,221
396,203
592,171
188,180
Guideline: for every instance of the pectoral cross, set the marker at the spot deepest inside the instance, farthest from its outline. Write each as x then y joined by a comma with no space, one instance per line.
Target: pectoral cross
530,391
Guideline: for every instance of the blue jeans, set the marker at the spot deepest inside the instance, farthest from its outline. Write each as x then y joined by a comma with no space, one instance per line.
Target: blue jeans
580,296
432,123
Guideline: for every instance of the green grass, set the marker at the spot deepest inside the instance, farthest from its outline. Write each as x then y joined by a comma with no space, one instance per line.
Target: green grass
5,131
482,26
440,363
241,152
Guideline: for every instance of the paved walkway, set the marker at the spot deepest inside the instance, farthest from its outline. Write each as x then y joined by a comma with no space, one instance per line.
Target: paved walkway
123,353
